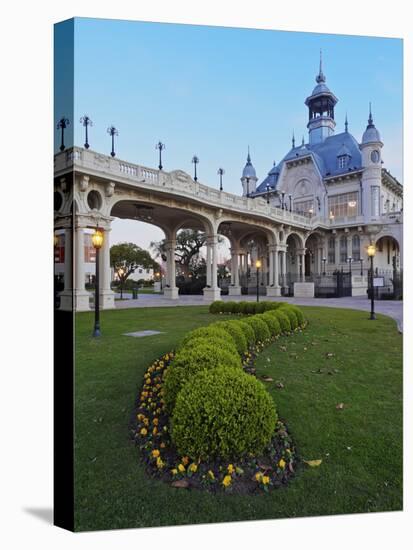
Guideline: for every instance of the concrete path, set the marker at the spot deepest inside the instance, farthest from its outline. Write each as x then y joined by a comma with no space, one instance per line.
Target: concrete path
391,308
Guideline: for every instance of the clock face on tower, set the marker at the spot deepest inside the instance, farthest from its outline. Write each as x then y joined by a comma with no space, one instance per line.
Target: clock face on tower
375,156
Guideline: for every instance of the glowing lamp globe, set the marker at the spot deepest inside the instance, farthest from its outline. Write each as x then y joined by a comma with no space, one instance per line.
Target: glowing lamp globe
97,239
371,250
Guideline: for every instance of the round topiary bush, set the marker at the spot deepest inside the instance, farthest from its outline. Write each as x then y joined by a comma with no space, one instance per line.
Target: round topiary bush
249,308
300,315
237,307
270,306
191,360
228,307
243,307
261,330
248,331
216,307
260,307
237,335
211,330
222,413
272,322
283,320
287,309
226,344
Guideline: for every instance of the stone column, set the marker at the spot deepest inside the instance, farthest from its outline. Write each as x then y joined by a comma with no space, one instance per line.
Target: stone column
170,291
66,296
106,295
234,289
208,264
337,250
212,292
81,296
274,288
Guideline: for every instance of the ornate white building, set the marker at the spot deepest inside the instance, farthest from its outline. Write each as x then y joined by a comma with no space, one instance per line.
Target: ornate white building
310,219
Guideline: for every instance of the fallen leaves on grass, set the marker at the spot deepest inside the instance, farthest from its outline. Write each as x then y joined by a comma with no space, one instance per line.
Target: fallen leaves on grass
279,385
340,406
180,484
313,463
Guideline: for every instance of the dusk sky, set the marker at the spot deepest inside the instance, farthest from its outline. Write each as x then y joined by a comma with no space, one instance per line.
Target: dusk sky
212,91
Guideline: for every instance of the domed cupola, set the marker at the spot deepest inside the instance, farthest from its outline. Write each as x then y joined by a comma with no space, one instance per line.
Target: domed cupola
371,134
320,105
249,177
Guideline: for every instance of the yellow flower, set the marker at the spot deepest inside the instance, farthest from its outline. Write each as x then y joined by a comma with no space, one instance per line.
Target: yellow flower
140,416
231,469
258,476
145,421
155,421
155,453
181,468
160,463
185,460
193,467
162,445
265,480
282,463
155,431
226,482
143,431
211,474
174,471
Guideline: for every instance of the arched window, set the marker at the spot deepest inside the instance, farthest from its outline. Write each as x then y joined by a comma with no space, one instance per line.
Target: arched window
355,245
343,250
332,250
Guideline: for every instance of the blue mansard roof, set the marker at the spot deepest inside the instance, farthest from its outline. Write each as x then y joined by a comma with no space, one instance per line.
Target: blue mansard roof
324,156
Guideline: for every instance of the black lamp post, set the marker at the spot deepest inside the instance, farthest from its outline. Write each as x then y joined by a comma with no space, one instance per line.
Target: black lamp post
161,147
120,275
350,261
220,173
324,265
112,131
97,241
62,125
268,193
290,198
282,201
258,265
86,121
361,266
371,251
195,161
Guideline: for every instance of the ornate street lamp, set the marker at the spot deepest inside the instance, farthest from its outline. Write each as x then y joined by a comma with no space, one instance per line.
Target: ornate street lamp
350,261
86,121
62,125
371,251
258,265
160,146
324,265
268,193
112,131
195,161
121,271
361,266
282,200
97,241
159,275
220,173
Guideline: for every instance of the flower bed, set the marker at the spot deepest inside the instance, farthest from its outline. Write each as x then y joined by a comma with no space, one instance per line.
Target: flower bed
182,445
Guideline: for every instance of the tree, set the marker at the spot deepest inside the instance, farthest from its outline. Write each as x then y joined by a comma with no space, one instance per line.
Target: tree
188,245
126,257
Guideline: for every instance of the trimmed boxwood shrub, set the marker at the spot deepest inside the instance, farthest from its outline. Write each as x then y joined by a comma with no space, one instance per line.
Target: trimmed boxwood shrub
283,320
226,344
222,413
261,330
191,360
247,330
237,307
287,309
259,307
299,314
269,306
272,322
228,307
211,330
237,335
216,307
249,308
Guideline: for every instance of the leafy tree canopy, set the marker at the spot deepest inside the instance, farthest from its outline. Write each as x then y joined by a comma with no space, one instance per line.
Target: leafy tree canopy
126,257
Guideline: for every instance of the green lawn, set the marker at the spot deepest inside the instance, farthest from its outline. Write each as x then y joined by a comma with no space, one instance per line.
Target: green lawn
361,445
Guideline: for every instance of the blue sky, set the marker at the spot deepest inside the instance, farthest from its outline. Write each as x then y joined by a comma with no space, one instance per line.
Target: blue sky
214,90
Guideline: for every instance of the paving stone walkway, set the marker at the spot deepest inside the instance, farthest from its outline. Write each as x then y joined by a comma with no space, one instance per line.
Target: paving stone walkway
391,308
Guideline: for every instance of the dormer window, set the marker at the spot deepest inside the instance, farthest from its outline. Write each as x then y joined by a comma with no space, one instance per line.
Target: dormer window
343,157
343,161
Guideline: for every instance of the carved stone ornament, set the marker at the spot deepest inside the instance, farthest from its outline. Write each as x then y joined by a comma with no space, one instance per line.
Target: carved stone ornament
181,176
83,183
109,189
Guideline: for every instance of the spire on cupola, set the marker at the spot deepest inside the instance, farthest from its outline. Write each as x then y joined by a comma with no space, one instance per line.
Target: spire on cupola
320,105
371,134
293,140
249,177
320,77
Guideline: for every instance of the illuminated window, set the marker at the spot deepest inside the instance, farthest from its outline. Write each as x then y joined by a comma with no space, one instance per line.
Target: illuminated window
345,205
304,208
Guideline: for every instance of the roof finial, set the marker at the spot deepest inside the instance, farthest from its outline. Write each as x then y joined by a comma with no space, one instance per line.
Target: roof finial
370,121
346,124
320,77
273,163
293,140
302,142
248,156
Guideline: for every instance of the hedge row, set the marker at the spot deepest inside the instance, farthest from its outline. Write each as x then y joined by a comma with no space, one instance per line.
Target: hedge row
217,410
